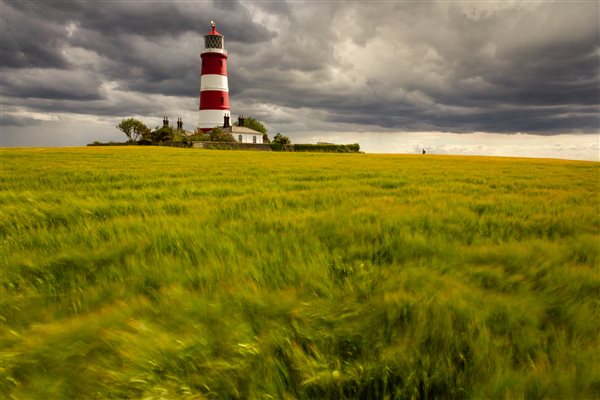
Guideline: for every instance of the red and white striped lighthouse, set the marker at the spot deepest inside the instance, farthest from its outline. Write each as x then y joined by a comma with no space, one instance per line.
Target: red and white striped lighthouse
214,90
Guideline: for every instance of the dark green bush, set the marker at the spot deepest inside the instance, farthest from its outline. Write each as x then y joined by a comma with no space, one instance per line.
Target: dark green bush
97,143
328,148
199,137
276,146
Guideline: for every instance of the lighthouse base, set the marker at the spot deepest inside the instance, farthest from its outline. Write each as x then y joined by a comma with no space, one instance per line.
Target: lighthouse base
208,119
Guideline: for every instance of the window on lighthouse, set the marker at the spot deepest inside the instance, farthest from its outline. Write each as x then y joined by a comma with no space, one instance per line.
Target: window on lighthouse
222,100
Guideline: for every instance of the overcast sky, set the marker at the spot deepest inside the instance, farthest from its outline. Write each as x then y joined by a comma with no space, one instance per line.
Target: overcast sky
455,77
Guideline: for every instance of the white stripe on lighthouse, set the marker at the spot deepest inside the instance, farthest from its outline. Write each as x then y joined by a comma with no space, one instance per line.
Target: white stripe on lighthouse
213,50
214,82
211,118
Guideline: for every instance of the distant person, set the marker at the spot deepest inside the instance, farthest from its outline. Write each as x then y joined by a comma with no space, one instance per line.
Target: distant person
424,151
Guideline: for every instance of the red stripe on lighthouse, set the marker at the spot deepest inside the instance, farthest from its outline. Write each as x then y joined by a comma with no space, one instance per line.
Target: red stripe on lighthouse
214,63
214,100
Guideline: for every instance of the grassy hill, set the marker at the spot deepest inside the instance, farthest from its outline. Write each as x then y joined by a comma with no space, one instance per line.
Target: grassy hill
164,273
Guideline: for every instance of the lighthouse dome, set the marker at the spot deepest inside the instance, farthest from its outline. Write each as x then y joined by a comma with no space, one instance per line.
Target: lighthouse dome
213,39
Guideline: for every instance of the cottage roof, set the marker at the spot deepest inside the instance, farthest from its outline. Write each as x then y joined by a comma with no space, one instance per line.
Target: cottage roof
241,129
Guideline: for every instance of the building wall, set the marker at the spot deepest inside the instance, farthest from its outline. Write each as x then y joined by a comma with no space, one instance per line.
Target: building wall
247,137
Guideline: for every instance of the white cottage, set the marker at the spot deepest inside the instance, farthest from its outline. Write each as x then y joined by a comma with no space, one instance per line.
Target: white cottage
241,134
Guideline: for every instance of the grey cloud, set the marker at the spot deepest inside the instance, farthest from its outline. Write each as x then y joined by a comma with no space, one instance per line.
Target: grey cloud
28,41
51,84
483,64
151,18
8,119
137,43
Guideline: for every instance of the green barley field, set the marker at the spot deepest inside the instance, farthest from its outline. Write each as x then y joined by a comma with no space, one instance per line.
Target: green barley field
162,273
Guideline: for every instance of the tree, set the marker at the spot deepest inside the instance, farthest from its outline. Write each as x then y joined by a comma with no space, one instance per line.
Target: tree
266,138
217,135
199,136
280,139
133,128
179,136
162,134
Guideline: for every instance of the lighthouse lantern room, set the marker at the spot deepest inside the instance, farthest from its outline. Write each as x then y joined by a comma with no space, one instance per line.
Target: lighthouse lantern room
214,90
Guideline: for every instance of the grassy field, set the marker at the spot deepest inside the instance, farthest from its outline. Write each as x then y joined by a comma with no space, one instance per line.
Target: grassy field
163,273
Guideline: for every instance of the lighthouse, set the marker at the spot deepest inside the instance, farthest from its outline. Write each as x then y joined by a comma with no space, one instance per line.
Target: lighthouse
214,90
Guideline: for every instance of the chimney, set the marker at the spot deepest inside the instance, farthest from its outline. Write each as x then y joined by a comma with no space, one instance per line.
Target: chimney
241,120
166,121
179,124
226,121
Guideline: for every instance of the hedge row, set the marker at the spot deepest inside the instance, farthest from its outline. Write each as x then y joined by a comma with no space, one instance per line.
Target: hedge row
317,148
314,148
112,144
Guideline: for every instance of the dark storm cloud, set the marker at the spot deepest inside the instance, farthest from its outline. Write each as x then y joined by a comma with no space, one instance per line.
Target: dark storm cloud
435,66
13,120
28,41
459,67
148,18
138,44
51,84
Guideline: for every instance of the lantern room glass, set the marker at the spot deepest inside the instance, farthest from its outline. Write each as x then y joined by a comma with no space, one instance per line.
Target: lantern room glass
213,41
